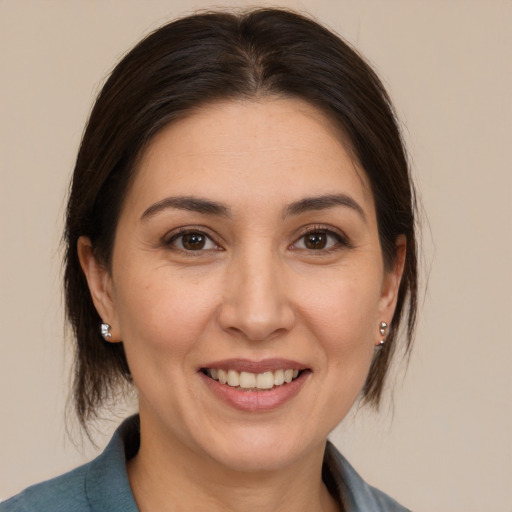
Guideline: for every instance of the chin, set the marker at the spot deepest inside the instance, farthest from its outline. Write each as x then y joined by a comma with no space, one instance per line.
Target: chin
257,451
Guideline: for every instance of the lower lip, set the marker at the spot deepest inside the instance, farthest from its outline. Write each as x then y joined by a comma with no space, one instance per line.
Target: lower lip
256,401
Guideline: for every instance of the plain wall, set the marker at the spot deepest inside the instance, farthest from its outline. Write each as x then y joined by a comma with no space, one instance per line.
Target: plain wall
446,443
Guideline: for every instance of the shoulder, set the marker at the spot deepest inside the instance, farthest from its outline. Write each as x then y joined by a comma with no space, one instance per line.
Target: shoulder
64,493
353,490
385,502
102,484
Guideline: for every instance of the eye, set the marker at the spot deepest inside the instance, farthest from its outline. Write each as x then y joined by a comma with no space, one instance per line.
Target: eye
192,240
319,239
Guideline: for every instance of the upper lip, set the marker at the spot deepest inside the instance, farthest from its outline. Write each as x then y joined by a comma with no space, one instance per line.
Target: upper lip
246,365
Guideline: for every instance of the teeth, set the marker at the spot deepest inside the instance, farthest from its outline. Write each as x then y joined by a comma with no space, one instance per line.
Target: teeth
223,377
247,380
265,380
278,377
233,378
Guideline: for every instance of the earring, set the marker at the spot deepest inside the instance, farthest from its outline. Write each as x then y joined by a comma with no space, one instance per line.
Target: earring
106,332
382,330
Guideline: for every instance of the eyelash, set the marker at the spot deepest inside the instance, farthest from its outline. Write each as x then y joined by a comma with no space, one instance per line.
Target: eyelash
173,237
341,241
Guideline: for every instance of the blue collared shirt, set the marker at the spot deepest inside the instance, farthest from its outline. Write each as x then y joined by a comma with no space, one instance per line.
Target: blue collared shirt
102,485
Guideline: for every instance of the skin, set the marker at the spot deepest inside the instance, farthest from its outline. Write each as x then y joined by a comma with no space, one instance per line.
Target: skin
256,290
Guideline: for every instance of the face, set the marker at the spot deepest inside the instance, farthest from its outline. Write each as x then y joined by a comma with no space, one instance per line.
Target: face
247,250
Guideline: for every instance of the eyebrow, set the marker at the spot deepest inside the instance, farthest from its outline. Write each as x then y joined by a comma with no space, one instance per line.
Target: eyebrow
193,204
322,203
208,207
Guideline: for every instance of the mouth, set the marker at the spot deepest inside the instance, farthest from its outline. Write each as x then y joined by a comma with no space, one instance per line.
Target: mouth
248,381
255,386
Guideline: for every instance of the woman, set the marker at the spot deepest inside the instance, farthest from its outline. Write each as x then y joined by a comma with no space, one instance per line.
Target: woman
241,247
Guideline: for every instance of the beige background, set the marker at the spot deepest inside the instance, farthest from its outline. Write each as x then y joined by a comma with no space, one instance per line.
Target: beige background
446,444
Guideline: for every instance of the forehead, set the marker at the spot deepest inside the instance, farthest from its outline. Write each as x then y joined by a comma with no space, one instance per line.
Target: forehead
248,149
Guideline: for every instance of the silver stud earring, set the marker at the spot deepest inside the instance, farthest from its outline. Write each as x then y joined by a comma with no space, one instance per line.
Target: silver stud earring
106,332
382,329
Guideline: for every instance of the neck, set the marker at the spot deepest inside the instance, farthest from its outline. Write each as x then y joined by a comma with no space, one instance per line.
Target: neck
165,476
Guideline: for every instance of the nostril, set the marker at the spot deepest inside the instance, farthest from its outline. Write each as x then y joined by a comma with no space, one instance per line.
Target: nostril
255,306
256,325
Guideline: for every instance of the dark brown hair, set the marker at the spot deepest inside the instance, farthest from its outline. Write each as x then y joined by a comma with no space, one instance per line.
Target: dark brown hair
217,56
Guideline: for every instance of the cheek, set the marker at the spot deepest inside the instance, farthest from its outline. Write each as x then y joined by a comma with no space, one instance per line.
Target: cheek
162,323
344,308
164,315
342,315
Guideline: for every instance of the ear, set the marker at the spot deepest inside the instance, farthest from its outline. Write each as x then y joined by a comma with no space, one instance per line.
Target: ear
99,281
391,281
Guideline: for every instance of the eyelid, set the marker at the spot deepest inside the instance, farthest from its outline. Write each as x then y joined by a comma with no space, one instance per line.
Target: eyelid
174,234
341,237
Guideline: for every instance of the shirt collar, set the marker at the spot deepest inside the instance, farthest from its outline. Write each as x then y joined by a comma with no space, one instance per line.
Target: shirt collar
106,483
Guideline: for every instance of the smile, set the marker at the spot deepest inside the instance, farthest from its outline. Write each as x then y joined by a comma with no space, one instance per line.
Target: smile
255,386
252,381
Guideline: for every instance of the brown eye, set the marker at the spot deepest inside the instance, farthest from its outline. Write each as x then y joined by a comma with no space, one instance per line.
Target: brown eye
192,241
320,240
316,240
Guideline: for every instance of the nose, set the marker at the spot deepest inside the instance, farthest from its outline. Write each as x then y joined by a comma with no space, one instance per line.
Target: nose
255,301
